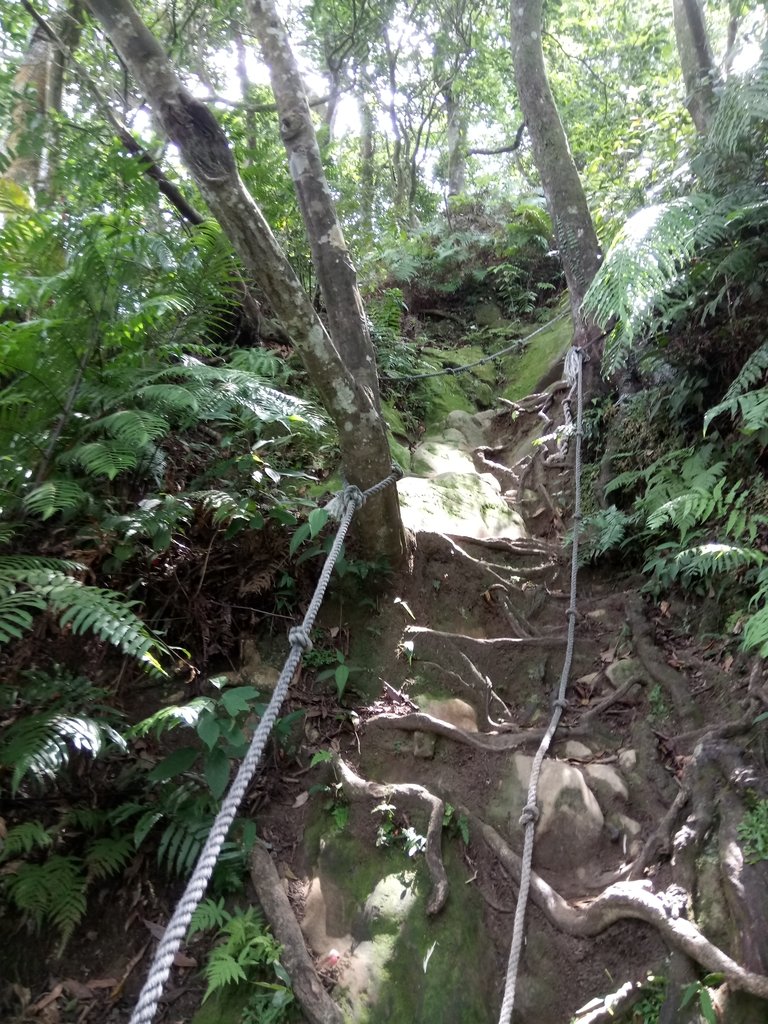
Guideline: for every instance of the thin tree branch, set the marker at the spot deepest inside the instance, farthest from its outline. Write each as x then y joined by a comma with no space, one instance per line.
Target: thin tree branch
174,196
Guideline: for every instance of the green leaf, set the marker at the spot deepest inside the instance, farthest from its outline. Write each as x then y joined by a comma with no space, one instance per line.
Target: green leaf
320,757
238,699
318,517
217,771
706,1007
342,676
298,538
209,730
174,764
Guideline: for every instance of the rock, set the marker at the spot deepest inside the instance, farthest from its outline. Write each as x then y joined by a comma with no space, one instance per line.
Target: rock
627,760
463,504
472,428
575,749
432,458
388,906
624,671
606,783
453,711
570,827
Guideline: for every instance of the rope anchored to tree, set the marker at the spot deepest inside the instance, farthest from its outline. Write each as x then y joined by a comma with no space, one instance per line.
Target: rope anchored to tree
351,499
573,367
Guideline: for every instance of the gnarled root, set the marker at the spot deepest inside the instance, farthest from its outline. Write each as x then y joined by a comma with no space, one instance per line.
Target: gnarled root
356,788
623,900
317,1005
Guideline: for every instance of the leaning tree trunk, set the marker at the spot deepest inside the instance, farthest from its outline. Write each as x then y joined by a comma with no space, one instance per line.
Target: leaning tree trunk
333,265
204,149
696,62
572,223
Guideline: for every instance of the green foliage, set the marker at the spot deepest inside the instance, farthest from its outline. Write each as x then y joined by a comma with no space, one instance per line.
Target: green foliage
30,584
390,832
48,717
52,893
246,952
753,832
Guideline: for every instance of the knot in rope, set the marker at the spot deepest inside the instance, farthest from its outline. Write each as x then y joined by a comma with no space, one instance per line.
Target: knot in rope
560,703
299,636
397,471
530,814
572,363
352,495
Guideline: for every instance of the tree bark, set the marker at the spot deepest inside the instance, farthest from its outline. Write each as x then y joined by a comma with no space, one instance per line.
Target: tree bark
456,142
30,84
571,219
696,62
204,149
333,264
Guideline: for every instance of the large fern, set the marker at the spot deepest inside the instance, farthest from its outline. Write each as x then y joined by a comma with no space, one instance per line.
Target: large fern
29,584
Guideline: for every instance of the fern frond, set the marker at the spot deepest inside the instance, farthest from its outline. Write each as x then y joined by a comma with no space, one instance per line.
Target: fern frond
208,915
752,407
107,855
39,745
706,560
55,496
133,427
221,970
645,262
35,583
104,458
24,838
52,892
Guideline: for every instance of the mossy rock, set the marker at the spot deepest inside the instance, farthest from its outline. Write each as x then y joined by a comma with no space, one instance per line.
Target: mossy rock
539,356
463,357
443,395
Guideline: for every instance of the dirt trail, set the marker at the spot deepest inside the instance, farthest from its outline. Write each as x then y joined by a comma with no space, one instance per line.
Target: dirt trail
403,872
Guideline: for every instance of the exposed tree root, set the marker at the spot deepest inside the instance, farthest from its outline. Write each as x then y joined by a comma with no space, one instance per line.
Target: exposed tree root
493,743
317,1005
673,682
614,1006
500,641
635,900
357,788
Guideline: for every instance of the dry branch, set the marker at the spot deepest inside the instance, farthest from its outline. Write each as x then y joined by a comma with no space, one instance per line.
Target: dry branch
317,1005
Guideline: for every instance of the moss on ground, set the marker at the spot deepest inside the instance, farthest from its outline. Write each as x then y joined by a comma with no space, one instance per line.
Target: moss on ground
526,370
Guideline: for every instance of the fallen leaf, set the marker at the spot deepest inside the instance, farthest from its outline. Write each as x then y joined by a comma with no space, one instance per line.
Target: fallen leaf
46,1000
157,931
301,799
727,662
77,990
182,960
98,983
607,657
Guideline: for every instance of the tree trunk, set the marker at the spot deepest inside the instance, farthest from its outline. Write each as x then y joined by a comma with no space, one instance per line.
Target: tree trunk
696,61
30,85
367,175
333,264
456,140
572,223
204,149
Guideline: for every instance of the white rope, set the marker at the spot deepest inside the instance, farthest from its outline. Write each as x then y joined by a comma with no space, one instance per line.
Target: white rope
573,373
300,641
